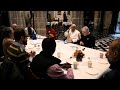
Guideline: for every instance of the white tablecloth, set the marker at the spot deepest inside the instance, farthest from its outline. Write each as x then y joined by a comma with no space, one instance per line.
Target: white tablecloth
99,66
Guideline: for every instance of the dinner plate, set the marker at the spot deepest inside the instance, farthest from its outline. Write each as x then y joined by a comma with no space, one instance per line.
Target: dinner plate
92,71
102,61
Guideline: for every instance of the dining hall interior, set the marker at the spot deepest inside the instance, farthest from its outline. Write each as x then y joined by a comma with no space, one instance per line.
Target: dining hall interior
82,43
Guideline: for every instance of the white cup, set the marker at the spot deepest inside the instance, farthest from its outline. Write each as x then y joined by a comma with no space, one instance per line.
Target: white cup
101,55
58,54
89,64
75,65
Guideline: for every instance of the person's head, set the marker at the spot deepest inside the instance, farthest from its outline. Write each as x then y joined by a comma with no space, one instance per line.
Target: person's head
20,36
8,32
73,27
28,24
49,45
48,26
113,55
85,31
14,26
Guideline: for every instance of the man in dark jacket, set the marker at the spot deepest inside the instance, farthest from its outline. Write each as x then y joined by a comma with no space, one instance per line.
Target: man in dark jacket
87,39
113,56
46,66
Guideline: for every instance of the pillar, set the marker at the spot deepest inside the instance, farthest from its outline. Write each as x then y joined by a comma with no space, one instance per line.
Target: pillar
77,18
40,21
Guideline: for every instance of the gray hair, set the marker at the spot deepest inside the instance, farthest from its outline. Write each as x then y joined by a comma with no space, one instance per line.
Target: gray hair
85,28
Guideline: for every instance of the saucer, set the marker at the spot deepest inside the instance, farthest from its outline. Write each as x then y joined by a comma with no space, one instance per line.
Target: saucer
92,71
102,61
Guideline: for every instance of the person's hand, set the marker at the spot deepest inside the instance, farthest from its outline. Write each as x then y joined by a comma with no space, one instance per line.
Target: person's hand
32,53
70,40
81,43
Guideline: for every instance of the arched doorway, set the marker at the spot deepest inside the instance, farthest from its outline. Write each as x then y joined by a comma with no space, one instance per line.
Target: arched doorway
112,29
4,18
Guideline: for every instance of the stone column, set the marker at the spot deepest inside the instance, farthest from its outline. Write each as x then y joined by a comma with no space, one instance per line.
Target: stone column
52,14
17,17
77,18
40,21
97,19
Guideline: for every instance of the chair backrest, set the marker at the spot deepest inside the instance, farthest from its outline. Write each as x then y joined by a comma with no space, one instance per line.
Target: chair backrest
30,75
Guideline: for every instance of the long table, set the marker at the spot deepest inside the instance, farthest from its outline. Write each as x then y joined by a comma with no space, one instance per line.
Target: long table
65,51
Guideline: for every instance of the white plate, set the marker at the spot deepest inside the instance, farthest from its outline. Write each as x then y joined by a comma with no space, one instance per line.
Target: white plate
102,61
92,71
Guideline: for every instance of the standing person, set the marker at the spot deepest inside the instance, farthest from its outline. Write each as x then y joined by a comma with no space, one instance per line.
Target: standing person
29,30
87,39
64,17
46,66
113,56
72,34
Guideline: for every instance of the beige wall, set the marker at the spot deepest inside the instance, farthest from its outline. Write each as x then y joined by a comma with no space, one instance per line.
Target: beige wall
107,18
40,20
17,17
77,18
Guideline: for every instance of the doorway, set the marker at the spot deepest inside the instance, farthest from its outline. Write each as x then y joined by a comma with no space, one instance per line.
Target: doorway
4,18
89,19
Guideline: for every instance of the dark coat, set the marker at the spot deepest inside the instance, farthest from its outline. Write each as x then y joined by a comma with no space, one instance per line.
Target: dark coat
114,73
41,63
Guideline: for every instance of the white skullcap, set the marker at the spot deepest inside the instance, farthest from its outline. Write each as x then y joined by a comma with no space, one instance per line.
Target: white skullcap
73,25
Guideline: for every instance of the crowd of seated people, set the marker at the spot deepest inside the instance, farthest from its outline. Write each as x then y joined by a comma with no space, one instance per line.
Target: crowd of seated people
16,64
16,60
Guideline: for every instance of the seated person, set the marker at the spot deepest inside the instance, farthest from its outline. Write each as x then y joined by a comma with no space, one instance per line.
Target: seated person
14,26
8,38
72,34
46,66
17,56
2,29
87,39
29,30
113,56
51,33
